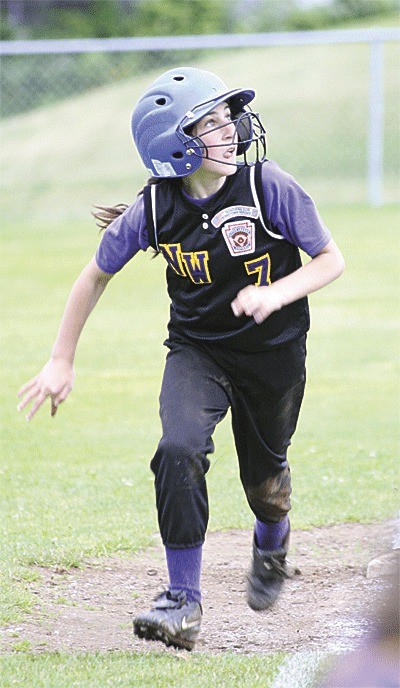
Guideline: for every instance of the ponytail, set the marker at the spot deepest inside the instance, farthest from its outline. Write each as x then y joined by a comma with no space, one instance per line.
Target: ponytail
105,214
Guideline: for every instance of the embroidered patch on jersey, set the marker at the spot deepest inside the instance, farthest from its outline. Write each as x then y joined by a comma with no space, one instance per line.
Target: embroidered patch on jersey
234,211
239,237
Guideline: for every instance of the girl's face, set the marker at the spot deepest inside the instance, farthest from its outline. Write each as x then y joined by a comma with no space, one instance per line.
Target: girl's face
217,131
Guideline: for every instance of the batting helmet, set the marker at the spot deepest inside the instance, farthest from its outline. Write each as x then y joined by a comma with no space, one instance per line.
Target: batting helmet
179,98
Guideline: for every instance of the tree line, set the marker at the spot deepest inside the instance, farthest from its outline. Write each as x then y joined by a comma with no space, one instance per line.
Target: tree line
33,19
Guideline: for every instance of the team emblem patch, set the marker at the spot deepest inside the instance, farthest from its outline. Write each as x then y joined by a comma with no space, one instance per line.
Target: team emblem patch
239,237
234,211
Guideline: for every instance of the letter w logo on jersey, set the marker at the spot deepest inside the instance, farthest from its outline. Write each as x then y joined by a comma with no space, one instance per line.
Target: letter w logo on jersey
239,237
193,265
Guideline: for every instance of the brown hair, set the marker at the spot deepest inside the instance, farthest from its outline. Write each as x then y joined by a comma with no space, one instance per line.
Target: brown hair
105,214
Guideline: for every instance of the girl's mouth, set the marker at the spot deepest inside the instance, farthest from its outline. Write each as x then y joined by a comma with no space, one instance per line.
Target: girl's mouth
230,152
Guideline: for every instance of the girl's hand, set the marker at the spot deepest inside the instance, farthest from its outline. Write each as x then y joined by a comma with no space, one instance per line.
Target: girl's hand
258,302
55,380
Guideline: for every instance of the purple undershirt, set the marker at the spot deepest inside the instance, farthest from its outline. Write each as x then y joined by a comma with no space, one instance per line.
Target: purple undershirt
290,209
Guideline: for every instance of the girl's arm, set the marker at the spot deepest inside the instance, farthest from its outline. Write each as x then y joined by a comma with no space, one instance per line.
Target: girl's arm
260,302
57,377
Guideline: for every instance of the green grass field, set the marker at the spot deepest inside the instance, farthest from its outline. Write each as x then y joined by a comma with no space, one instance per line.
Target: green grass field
79,485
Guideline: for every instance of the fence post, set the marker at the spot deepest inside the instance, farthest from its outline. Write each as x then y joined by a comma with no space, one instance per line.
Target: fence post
375,139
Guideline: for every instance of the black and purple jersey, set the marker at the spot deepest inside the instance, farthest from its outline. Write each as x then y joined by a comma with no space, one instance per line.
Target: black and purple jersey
249,232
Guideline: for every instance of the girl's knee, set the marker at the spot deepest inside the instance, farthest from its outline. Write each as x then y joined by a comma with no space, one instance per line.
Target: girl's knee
179,466
270,500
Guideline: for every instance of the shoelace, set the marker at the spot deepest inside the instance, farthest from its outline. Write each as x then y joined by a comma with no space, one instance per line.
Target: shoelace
178,596
286,571
275,563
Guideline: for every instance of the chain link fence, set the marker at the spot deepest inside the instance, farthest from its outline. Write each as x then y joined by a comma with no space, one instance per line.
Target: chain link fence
329,100
36,80
33,81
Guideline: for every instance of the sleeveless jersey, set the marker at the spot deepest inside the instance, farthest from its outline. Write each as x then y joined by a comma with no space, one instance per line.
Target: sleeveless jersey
214,250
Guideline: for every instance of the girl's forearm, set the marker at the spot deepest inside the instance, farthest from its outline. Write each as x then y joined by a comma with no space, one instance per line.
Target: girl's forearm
314,275
82,299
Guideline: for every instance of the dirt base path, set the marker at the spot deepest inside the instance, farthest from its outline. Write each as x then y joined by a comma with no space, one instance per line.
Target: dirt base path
327,607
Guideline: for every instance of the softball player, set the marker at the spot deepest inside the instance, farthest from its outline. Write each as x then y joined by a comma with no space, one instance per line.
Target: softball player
229,224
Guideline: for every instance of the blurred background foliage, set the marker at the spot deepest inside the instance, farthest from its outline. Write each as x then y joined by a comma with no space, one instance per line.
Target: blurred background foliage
34,19
31,81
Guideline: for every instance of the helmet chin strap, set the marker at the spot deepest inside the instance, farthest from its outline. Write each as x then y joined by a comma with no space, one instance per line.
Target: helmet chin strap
245,125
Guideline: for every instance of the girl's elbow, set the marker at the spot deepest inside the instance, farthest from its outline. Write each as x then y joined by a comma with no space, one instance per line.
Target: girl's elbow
338,262
340,265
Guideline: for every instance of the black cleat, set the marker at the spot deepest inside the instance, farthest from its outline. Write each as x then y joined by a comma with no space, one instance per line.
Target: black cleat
174,620
266,576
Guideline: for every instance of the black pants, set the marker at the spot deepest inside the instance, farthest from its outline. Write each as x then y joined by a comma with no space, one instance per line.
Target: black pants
201,381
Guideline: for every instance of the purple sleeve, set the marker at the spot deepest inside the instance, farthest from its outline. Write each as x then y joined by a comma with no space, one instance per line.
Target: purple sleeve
292,211
123,238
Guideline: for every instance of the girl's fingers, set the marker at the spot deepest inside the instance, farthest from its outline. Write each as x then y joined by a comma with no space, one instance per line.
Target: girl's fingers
57,400
28,385
27,398
236,309
40,399
61,396
242,305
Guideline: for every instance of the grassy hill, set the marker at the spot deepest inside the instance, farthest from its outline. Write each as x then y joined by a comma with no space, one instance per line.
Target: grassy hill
58,161
79,486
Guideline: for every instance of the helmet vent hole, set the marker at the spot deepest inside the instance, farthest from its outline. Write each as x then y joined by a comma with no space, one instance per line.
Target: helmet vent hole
177,155
161,101
179,78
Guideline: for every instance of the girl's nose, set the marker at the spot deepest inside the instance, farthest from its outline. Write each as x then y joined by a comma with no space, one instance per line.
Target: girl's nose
229,130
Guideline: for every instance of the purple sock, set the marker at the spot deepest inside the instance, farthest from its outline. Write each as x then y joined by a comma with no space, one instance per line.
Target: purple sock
270,536
184,568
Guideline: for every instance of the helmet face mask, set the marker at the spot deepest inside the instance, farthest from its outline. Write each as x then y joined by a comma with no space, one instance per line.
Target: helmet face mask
173,104
249,137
